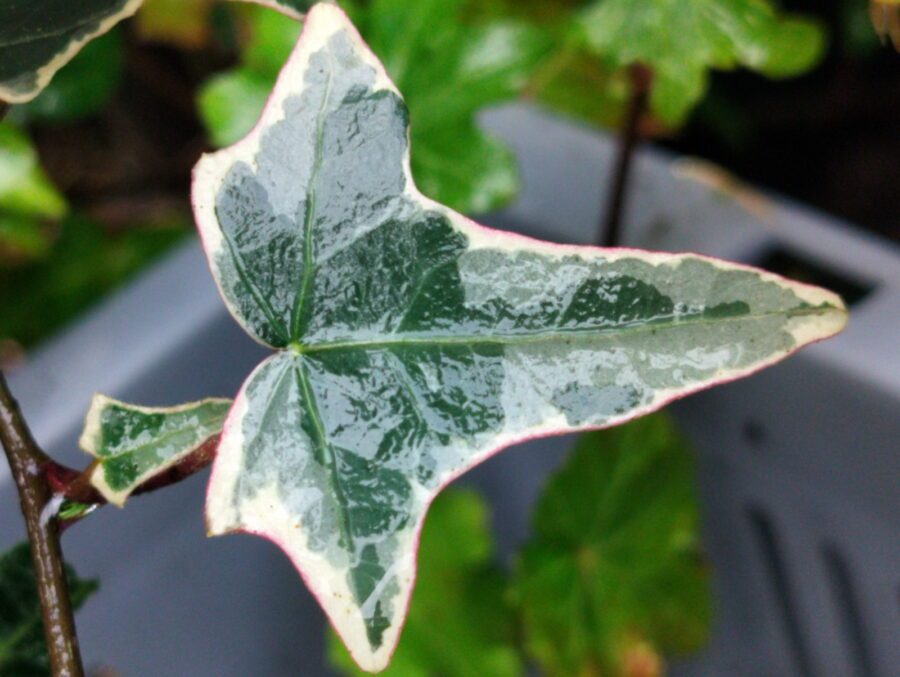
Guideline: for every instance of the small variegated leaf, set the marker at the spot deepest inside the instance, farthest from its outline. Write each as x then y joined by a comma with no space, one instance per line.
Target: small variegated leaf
134,444
39,38
412,343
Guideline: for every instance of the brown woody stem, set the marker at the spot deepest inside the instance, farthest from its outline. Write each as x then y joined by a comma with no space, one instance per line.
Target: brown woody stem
27,461
611,226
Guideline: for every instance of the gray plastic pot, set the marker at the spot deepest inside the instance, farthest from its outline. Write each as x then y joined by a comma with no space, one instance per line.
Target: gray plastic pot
798,465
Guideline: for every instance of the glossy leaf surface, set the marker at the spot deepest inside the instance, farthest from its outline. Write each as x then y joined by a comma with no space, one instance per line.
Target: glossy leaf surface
412,343
133,444
682,39
38,38
22,649
614,565
449,70
460,623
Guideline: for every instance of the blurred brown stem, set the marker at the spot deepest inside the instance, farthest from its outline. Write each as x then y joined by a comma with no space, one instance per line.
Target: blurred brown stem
611,226
4,107
26,460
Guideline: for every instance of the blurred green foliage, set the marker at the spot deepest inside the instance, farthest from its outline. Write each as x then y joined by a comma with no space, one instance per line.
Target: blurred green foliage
681,40
28,201
610,582
85,263
22,649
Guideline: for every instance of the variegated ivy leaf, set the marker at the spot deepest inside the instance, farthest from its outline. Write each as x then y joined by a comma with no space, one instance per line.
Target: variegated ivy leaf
133,444
411,343
38,37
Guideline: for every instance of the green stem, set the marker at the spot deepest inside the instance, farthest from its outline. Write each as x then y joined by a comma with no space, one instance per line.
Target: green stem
27,461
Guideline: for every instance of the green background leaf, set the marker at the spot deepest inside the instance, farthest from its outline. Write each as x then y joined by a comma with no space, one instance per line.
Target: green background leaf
681,40
28,201
460,622
22,649
614,564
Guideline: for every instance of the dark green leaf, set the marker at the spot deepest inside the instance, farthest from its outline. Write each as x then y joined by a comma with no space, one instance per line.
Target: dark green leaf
37,39
80,89
459,623
22,649
682,40
412,343
614,562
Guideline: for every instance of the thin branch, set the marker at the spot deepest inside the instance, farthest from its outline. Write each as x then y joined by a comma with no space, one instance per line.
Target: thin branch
611,226
26,460
4,107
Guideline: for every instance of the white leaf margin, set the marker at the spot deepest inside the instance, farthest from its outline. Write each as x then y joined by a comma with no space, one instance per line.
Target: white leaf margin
90,442
265,516
45,73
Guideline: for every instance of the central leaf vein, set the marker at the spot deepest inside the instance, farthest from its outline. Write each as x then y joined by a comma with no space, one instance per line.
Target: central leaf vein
309,215
327,456
158,441
557,334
